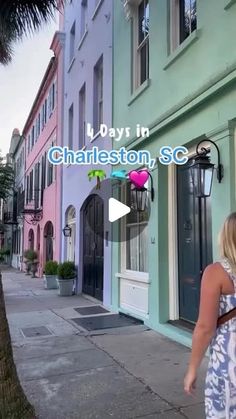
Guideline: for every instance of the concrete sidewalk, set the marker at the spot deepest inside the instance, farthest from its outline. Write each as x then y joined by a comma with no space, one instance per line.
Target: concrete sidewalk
68,372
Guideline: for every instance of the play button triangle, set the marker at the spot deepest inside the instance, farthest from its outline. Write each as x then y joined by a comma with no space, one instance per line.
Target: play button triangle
117,210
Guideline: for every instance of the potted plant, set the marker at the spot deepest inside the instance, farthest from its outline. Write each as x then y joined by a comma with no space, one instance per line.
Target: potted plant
50,275
27,261
4,255
66,274
31,257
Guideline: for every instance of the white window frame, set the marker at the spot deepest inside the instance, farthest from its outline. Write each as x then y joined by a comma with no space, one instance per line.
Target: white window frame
137,48
174,25
138,275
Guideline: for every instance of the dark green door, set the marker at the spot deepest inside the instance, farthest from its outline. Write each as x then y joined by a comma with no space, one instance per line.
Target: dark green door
194,243
93,248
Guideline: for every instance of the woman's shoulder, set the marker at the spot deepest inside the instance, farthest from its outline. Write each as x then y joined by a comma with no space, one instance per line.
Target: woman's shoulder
214,267
216,271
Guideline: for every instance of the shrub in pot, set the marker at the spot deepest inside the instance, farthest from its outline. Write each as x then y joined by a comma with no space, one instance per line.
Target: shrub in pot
31,261
27,261
50,275
4,255
66,274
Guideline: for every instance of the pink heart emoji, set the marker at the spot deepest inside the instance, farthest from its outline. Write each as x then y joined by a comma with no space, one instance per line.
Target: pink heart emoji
139,178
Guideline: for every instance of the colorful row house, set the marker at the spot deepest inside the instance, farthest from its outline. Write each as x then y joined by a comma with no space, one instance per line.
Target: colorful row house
157,64
88,100
41,213
180,82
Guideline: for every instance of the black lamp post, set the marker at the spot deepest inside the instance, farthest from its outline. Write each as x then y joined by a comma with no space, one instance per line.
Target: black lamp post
202,171
139,196
67,231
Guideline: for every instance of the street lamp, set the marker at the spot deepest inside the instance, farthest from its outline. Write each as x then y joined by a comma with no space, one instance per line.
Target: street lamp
139,196
67,231
202,171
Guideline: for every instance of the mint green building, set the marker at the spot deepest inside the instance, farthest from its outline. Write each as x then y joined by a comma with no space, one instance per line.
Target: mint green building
175,73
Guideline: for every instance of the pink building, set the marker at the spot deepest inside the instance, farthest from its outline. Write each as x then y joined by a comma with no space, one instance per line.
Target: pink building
42,212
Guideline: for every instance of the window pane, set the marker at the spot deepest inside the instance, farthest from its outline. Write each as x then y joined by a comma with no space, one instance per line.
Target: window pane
132,248
143,257
136,237
193,16
188,18
143,20
143,64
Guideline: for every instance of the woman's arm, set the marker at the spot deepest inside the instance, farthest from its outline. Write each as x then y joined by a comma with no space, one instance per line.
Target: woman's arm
206,324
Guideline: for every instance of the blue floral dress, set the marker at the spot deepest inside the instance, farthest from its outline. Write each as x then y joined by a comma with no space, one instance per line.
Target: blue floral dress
220,389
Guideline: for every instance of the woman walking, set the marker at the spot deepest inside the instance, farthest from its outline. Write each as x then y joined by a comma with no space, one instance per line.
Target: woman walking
216,326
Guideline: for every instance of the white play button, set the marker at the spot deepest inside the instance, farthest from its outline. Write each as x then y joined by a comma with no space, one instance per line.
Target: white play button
117,210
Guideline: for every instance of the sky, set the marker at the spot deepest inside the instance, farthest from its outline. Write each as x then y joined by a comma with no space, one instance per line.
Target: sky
20,81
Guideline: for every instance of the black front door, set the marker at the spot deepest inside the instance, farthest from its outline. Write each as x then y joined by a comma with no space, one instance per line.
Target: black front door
93,248
194,243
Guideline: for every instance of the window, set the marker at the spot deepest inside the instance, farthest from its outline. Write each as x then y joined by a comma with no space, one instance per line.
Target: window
183,21
50,172
51,100
32,137
53,95
136,231
45,112
43,175
72,42
37,187
71,127
98,95
28,145
38,126
82,117
31,185
84,17
141,42
42,117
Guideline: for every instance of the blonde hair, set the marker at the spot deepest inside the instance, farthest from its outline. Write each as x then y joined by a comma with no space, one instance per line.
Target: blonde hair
227,240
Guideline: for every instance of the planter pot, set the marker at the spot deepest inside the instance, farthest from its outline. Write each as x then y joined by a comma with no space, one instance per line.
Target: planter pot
28,267
34,267
65,287
50,282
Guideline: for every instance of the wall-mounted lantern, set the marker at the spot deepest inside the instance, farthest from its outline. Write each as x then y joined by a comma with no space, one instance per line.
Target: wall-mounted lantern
67,231
202,171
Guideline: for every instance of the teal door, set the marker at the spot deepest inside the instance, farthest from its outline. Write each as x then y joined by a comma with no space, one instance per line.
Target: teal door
194,243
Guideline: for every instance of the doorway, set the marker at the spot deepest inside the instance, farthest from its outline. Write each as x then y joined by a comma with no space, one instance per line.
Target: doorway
194,243
93,252
48,236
